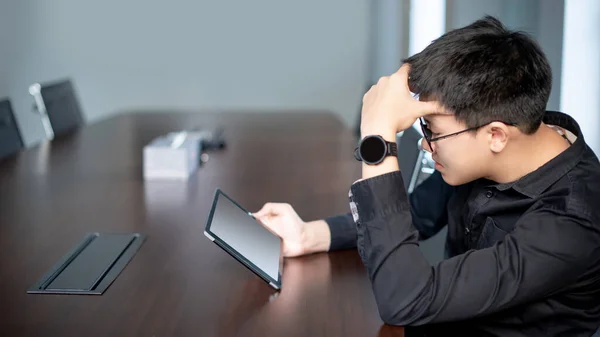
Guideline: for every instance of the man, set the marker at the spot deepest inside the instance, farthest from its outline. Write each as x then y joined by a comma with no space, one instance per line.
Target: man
519,194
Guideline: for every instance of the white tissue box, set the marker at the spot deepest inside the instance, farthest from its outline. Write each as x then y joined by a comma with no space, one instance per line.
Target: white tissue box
173,156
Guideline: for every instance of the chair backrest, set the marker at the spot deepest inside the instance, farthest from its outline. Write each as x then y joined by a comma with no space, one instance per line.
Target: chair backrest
58,105
415,163
10,136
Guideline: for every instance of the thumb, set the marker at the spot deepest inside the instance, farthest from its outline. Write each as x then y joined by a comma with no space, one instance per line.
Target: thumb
268,209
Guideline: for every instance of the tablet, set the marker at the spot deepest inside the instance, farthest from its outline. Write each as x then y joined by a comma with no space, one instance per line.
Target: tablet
237,232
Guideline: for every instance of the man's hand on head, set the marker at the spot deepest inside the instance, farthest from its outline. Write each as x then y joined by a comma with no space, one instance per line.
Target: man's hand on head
389,107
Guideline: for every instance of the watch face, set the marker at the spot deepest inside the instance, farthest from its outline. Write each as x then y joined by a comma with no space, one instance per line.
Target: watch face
372,149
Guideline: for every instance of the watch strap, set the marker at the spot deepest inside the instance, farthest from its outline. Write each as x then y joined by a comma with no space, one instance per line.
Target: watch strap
392,149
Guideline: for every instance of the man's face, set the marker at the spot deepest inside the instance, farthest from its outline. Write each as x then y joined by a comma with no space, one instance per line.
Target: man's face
461,158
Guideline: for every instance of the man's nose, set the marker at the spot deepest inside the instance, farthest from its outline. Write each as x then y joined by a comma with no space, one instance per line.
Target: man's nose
425,145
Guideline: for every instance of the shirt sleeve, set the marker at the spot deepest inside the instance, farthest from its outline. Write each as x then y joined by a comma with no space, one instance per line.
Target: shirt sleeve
428,209
547,250
343,231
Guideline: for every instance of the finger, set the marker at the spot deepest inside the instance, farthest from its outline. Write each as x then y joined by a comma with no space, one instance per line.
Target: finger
265,222
372,88
404,72
271,208
265,210
424,107
400,78
432,108
382,80
369,93
271,223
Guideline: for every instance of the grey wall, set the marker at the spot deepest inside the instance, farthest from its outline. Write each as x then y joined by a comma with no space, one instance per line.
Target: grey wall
543,19
389,37
516,14
550,36
189,54
4,51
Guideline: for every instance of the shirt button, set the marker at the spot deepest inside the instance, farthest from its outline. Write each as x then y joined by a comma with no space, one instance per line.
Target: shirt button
489,194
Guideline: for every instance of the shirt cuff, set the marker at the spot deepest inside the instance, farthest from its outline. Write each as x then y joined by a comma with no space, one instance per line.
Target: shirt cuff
378,197
343,232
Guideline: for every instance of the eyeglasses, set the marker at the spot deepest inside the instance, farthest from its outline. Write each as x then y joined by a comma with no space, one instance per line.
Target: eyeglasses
428,134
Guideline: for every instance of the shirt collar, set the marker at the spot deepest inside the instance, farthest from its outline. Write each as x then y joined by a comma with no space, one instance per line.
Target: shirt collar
536,182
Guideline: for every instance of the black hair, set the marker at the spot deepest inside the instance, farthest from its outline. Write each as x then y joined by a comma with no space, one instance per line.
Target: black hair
484,72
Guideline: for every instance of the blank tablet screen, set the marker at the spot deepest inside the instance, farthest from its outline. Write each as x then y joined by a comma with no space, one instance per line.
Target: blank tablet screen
234,226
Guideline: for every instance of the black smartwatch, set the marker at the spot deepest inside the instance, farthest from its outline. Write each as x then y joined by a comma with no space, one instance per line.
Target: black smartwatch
372,150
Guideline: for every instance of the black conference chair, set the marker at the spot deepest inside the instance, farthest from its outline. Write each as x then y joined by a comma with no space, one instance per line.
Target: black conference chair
58,105
11,141
415,164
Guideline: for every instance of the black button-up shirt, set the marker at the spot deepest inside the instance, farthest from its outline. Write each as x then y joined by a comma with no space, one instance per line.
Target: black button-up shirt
523,258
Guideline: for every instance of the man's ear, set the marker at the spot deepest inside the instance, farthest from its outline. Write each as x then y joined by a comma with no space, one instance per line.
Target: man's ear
497,135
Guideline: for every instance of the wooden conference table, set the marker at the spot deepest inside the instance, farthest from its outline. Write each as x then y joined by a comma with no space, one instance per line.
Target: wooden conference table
179,283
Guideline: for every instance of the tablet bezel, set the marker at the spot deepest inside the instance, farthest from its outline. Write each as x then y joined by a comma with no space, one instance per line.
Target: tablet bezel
275,283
